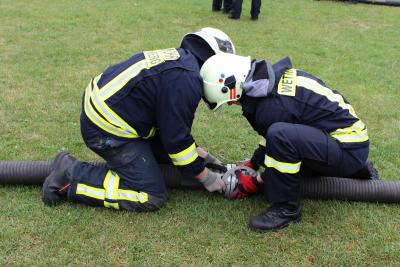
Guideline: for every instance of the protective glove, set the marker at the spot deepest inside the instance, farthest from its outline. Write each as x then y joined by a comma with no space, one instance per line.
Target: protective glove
219,168
211,159
213,182
248,184
214,164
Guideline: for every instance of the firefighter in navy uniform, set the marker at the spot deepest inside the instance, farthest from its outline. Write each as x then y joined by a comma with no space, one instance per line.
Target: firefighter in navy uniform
303,124
133,114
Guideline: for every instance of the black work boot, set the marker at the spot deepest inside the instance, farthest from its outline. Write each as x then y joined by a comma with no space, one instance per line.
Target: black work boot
232,16
275,218
56,184
368,172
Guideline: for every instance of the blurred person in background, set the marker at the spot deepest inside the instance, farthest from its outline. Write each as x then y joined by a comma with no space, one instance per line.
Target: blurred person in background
236,9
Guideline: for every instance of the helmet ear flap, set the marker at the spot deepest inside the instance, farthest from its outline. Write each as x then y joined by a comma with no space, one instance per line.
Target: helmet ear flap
230,82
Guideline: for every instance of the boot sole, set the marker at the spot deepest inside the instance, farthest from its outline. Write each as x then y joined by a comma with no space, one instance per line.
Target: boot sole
275,229
54,198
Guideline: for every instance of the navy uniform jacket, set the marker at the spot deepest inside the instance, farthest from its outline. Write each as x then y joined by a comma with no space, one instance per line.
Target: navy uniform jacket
301,98
153,91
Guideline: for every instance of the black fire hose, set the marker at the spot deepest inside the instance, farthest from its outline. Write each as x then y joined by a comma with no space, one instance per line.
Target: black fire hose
377,2
373,2
337,188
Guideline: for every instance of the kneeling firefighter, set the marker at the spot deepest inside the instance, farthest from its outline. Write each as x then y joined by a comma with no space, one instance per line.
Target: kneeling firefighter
303,124
135,114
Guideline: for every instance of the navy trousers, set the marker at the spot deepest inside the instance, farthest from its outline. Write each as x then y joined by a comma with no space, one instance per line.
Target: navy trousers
131,180
217,4
292,147
236,10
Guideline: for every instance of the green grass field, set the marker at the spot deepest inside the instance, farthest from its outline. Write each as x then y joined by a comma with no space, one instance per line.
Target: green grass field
49,50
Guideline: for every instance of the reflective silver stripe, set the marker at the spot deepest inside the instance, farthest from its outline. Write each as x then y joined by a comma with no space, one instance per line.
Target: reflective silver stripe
111,186
353,137
327,92
94,117
117,83
282,167
263,142
131,196
356,127
109,116
89,191
355,133
187,156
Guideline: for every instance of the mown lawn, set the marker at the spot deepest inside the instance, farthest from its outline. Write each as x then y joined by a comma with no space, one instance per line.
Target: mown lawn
49,50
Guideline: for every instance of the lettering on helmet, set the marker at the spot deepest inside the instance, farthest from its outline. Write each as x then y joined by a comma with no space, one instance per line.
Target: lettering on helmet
287,84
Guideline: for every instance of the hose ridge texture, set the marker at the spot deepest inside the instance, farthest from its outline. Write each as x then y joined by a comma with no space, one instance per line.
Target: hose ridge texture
35,172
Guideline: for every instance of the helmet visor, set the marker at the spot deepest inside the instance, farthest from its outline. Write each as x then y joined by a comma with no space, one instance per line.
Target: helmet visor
224,45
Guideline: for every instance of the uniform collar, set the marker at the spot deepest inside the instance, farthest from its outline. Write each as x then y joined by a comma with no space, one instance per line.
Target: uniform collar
249,104
280,67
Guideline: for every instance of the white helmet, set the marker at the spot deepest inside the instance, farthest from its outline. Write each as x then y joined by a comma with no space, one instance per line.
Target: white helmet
212,40
223,77
216,39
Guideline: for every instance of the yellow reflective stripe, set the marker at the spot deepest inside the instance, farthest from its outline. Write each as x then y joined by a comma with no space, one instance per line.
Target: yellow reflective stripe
282,167
263,141
109,114
134,196
101,114
110,121
122,79
111,184
111,192
185,157
151,59
89,191
355,133
151,133
92,114
356,127
111,205
353,137
314,86
95,118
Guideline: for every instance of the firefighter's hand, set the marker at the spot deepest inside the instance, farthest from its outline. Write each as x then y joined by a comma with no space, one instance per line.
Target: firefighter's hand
212,181
248,184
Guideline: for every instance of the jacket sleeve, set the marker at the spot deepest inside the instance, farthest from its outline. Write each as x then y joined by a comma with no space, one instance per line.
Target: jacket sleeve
177,102
258,156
